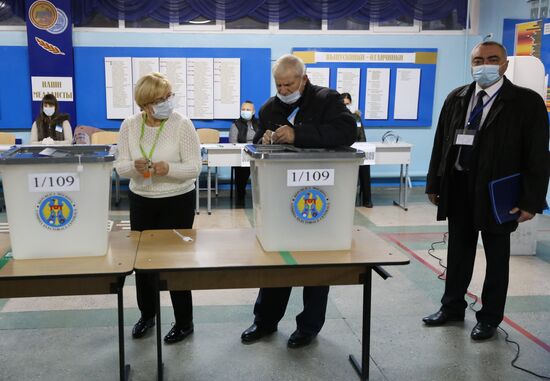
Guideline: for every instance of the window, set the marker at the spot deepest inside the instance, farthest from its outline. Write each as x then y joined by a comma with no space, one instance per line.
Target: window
10,21
246,23
448,23
403,21
147,22
348,23
99,21
301,23
402,24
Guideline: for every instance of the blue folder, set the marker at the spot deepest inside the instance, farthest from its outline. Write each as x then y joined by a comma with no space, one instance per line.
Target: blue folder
504,195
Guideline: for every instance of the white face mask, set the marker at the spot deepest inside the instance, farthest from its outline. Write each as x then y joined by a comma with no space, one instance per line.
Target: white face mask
49,111
246,114
350,108
163,109
290,98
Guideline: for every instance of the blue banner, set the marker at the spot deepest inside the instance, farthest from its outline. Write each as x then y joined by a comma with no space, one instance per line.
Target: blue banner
50,44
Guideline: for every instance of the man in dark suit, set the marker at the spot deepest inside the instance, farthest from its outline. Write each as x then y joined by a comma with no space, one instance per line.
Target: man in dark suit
487,130
304,115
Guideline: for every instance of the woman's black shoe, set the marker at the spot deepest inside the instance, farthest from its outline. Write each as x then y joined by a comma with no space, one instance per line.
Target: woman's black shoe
142,326
178,334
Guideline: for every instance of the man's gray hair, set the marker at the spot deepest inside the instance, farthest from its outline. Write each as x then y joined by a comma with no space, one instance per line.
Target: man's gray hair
289,63
492,43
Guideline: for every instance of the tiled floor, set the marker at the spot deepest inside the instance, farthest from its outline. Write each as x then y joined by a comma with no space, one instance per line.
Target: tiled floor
75,337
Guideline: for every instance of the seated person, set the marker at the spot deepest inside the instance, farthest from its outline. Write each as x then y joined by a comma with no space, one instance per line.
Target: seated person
51,126
242,131
364,170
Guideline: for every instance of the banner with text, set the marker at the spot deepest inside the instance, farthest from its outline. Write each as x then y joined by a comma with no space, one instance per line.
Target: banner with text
50,44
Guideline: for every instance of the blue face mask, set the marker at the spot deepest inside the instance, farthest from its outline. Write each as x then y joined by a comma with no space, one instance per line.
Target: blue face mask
246,114
163,109
486,75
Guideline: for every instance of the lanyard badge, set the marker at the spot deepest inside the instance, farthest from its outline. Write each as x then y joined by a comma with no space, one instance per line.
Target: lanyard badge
148,174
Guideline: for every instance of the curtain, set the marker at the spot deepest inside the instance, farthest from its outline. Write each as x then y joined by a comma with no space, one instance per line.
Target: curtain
261,10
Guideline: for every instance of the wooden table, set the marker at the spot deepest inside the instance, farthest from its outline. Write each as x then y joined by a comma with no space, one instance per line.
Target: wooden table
233,258
74,276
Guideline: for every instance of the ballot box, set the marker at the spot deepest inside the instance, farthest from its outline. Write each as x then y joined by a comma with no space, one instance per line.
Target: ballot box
303,199
57,200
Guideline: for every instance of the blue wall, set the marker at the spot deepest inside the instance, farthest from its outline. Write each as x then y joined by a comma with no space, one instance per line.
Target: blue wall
452,64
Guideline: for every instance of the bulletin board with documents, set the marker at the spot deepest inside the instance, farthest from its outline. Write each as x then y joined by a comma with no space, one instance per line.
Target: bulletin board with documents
209,84
391,87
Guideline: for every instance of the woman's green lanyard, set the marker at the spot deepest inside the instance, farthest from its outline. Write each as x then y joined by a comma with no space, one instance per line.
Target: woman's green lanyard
147,175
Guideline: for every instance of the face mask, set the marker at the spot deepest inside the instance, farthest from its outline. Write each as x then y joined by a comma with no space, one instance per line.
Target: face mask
350,108
246,114
49,111
291,98
163,109
485,75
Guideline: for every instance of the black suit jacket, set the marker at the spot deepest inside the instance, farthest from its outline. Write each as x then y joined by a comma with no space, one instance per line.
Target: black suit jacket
512,139
323,120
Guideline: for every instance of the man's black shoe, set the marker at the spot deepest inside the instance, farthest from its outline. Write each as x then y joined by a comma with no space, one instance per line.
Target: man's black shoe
255,333
441,317
300,339
367,204
142,326
177,334
483,331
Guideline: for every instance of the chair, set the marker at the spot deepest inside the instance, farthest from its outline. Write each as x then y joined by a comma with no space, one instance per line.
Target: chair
105,137
208,136
7,138
110,138
83,134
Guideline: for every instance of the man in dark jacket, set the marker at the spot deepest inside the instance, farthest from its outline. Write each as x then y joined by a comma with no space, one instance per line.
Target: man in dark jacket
243,130
304,115
487,130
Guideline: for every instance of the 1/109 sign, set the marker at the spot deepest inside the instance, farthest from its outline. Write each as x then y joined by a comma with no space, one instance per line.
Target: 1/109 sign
47,182
311,177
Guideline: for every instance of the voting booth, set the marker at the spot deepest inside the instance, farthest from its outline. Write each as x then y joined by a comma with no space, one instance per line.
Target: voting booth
526,71
304,199
57,200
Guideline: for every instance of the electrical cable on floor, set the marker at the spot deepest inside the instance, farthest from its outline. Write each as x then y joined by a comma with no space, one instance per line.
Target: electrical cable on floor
472,304
432,249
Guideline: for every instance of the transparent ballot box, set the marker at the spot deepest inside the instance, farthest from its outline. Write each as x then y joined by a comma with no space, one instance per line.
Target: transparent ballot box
304,199
57,200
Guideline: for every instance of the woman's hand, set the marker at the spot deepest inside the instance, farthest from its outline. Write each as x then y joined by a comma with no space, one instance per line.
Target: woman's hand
161,168
141,165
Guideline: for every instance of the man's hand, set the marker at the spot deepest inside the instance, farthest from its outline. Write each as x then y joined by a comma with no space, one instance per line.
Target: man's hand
523,215
141,165
161,168
434,198
284,135
267,138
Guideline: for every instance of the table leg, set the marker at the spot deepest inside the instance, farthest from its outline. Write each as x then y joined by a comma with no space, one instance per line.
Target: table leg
216,181
402,189
160,365
197,203
124,369
209,191
231,184
363,368
406,188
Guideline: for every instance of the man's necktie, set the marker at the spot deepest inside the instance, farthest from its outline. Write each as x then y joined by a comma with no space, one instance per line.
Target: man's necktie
475,123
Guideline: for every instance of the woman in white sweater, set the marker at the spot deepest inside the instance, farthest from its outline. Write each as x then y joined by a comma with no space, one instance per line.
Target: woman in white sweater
51,126
159,150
